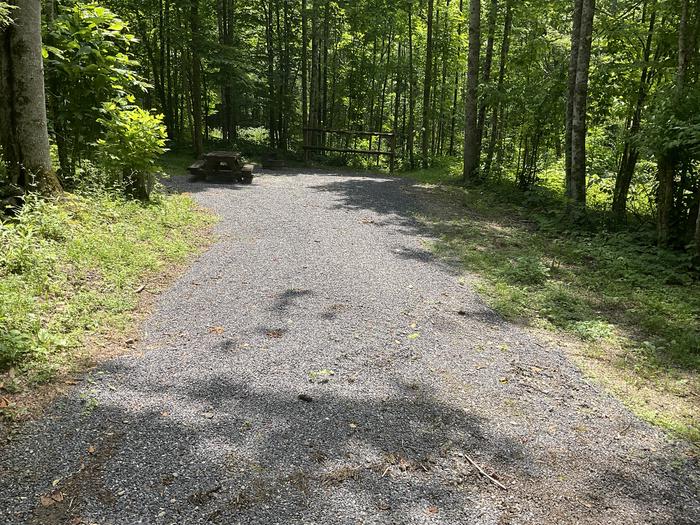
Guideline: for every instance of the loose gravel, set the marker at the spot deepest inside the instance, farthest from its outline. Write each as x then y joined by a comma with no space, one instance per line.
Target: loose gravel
318,366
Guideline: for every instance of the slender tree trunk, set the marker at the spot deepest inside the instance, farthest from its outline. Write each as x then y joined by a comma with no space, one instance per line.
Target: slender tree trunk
453,111
505,46
23,126
573,67
412,91
315,75
427,84
630,153
578,124
471,139
696,237
197,140
304,72
665,172
488,59
271,102
668,161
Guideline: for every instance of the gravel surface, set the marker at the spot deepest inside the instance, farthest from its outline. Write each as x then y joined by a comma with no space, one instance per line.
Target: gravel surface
318,365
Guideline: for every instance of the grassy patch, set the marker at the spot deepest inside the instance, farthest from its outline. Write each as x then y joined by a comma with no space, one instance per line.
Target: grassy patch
632,309
73,268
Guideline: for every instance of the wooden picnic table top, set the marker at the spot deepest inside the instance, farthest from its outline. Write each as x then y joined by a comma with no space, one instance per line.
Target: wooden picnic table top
223,155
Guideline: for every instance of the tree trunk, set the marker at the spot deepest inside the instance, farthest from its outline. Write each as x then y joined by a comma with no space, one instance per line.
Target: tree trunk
577,191
571,89
488,59
630,153
23,127
412,92
427,84
453,111
696,237
197,141
665,173
471,139
505,46
304,72
271,102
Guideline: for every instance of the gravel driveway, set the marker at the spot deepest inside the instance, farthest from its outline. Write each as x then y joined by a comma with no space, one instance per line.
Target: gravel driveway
318,366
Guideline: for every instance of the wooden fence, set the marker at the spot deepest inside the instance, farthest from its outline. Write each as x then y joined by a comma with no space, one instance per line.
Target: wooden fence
390,138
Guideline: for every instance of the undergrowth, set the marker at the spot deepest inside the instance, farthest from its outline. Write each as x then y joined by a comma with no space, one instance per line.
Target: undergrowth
633,308
73,267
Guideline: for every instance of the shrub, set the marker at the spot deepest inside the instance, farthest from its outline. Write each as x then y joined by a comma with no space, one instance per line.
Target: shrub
132,142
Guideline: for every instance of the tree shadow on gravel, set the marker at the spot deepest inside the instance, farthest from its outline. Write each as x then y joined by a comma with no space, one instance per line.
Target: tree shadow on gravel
229,452
224,452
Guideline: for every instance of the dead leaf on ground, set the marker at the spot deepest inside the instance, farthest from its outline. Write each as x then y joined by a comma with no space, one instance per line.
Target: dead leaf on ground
91,449
4,402
216,329
275,334
140,288
52,498
432,509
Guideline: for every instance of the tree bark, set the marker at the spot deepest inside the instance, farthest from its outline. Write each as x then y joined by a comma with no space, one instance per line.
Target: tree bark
488,59
271,102
571,89
665,174
412,92
471,139
630,154
23,126
577,190
197,141
505,46
427,84
304,73
696,237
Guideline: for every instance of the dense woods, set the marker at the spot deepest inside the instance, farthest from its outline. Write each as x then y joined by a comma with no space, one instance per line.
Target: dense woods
578,118
600,98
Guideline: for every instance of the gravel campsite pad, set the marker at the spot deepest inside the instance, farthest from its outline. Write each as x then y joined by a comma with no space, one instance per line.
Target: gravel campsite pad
317,365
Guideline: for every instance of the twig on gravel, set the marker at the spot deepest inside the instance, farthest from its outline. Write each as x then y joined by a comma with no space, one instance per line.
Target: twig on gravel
483,472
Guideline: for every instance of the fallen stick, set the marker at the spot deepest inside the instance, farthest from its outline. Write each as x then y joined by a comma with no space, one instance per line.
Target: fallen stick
483,473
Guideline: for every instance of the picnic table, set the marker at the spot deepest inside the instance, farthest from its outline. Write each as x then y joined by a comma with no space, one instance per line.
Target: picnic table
222,166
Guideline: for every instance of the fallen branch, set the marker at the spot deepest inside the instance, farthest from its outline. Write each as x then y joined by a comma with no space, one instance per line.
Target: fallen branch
483,473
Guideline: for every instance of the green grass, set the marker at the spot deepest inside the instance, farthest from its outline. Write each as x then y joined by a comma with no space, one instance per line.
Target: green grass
632,310
71,268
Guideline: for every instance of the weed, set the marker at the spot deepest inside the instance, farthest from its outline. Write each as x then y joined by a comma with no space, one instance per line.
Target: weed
69,268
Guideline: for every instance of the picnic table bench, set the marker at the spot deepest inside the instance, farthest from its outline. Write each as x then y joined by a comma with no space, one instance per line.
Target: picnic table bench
222,166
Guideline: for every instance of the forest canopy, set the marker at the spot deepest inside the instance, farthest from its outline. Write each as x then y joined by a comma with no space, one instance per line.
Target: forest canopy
598,99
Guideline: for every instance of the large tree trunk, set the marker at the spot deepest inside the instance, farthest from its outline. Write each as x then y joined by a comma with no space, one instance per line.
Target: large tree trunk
23,128
471,133
577,188
571,89
197,141
427,84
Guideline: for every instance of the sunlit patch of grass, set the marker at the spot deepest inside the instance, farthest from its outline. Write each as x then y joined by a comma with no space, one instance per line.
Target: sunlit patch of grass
634,309
72,267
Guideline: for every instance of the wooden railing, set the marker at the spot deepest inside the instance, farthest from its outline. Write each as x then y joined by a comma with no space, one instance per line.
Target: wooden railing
389,137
